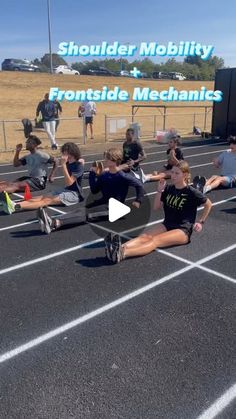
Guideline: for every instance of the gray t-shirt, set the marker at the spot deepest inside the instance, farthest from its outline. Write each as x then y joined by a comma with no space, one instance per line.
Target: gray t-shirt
37,164
227,161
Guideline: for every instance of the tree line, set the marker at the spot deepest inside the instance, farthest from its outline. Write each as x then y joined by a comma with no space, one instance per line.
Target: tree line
193,68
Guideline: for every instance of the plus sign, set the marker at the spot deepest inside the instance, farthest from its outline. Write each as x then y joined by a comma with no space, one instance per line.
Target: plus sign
135,72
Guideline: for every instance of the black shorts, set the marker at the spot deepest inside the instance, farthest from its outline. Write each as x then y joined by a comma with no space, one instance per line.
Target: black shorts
34,183
186,228
88,120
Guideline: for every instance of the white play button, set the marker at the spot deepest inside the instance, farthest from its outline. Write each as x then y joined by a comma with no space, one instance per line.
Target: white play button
117,210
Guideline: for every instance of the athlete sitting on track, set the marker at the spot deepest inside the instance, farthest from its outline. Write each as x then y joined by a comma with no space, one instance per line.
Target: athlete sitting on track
37,162
174,154
180,202
227,163
73,169
111,182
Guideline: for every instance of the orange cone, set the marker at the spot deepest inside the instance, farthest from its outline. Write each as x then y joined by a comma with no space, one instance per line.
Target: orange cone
27,194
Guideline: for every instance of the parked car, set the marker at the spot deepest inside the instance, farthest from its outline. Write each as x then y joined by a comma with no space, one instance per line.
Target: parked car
15,64
99,71
65,69
177,76
125,73
160,75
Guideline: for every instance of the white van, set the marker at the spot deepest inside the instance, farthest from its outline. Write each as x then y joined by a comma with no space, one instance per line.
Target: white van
177,76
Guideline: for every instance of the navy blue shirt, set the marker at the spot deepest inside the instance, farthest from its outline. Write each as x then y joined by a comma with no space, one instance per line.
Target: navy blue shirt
115,185
47,109
76,169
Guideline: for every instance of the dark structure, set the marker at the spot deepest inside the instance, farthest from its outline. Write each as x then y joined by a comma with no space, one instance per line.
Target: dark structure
224,113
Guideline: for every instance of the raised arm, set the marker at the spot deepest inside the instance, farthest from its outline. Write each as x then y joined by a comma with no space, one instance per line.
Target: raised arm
160,188
55,164
16,160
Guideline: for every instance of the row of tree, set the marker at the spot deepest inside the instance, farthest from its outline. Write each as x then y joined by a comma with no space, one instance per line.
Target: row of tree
193,68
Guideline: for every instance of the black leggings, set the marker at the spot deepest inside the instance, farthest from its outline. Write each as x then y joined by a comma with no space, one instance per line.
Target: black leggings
82,215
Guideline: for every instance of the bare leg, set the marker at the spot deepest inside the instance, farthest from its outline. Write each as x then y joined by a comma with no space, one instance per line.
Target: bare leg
168,238
38,203
145,237
12,187
216,181
159,176
91,130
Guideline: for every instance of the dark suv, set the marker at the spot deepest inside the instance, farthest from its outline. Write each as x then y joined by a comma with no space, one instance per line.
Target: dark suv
99,71
14,64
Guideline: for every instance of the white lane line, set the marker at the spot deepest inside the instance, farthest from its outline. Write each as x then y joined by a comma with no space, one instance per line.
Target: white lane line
185,157
204,260
179,258
220,404
148,154
142,164
48,257
191,167
64,328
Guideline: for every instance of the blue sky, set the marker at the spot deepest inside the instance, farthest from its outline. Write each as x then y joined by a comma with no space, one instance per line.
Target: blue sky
24,30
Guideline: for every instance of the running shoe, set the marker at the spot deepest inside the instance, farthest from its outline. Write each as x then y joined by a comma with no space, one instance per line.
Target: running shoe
8,206
108,247
45,221
54,146
144,177
199,183
206,189
117,249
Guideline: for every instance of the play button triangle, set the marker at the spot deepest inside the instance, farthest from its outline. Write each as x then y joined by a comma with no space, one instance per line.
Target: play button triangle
117,210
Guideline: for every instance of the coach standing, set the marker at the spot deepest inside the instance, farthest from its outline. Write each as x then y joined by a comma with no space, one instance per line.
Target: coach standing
47,109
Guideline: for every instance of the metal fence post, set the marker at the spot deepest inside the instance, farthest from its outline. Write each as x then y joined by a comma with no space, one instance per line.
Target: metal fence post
164,120
155,126
105,128
4,135
205,118
84,131
194,120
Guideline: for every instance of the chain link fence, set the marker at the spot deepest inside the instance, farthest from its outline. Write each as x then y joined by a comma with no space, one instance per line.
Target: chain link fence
111,127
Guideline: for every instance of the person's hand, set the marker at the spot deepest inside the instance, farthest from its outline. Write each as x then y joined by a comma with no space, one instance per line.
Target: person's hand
123,166
197,227
64,159
136,204
51,179
161,185
19,147
130,163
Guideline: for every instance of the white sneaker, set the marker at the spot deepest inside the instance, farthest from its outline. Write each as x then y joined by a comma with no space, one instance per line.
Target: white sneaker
144,178
46,223
206,189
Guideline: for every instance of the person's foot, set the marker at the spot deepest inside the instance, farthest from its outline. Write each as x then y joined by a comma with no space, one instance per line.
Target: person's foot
54,146
8,206
117,249
45,221
206,189
144,177
199,183
108,247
